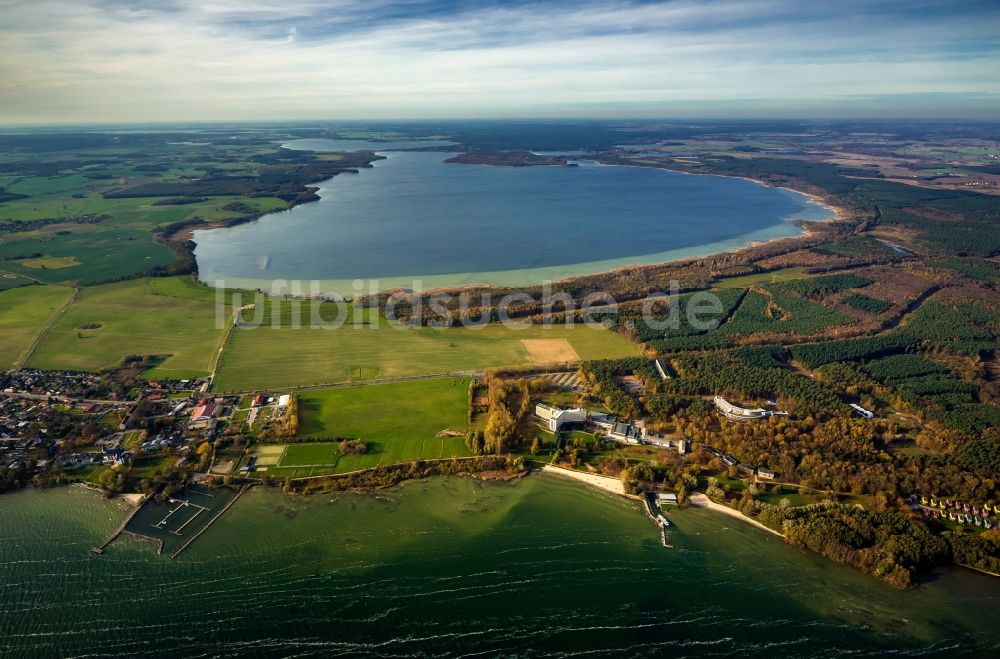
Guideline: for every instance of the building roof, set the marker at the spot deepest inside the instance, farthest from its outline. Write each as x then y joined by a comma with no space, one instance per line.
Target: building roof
204,411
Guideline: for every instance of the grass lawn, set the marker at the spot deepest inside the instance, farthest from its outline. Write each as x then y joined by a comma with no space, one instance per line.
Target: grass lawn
133,317
275,357
794,498
23,312
309,455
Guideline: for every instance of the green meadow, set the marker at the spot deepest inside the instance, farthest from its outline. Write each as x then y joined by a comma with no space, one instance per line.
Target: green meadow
395,411
320,454
265,357
169,317
23,313
399,421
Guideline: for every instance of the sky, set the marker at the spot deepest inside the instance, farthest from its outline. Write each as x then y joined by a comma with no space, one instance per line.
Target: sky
182,60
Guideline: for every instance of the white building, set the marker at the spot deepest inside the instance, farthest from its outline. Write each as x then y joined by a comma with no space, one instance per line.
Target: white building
678,444
735,413
862,411
661,369
283,400
555,418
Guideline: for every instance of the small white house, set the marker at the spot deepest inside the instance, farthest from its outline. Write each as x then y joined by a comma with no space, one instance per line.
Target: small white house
283,400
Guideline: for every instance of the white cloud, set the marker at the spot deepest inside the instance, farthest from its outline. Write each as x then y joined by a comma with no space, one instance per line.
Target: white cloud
65,60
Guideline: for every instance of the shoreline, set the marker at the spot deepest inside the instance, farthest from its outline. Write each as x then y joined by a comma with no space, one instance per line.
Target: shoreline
605,483
806,232
699,500
614,486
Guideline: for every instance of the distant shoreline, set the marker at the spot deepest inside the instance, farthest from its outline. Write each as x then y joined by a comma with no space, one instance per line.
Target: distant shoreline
449,281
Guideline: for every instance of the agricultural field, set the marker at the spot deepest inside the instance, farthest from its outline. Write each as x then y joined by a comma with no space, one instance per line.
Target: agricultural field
85,254
266,357
23,313
161,316
392,411
87,208
399,421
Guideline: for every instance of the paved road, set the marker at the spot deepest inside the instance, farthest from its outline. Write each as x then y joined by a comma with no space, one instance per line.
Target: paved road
65,399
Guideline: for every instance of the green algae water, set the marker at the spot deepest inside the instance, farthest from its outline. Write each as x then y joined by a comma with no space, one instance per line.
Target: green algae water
459,567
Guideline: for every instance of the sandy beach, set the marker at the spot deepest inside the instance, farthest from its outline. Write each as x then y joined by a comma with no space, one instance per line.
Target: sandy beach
605,483
702,501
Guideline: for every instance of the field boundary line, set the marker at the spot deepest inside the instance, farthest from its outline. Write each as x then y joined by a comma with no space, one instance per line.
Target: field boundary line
387,464
361,383
34,279
223,344
29,352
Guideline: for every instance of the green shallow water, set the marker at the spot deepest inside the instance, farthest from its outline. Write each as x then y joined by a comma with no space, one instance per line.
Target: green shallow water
455,566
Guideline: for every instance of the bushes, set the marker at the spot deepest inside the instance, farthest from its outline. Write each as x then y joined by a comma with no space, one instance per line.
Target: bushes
387,476
353,447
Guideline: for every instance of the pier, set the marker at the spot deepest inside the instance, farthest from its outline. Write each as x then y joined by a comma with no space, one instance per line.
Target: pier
211,521
118,531
651,509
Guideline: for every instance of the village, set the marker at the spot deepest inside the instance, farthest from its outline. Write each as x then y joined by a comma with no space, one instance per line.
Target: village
149,436
63,427
162,424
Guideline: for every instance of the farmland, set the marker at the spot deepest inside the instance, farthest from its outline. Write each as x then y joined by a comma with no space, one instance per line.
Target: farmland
399,422
98,208
281,357
394,411
161,317
23,313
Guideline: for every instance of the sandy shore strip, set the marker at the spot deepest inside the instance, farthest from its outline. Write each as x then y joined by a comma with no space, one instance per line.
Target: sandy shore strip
605,483
702,501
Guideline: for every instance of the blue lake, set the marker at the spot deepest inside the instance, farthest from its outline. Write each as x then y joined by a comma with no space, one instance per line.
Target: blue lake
412,216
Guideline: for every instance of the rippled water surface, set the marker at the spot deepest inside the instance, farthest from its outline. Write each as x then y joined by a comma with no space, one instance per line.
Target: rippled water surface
454,566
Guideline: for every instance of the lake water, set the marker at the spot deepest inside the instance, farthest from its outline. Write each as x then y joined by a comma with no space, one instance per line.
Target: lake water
541,567
414,217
